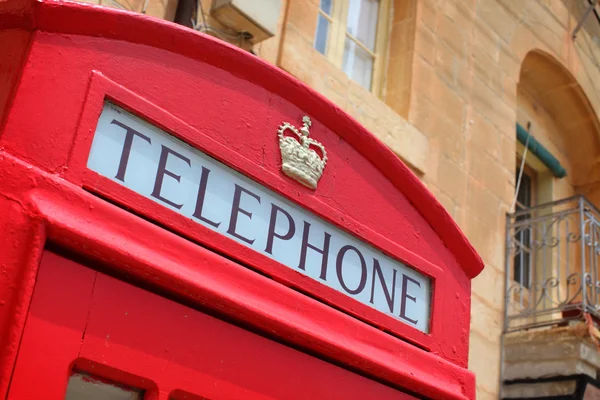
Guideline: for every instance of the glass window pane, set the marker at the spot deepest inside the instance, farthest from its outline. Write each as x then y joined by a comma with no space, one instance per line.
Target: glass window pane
523,260
321,35
362,21
85,387
524,193
326,6
358,64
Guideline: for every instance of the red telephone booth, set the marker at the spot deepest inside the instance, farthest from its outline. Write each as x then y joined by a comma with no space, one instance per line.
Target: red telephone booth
181,220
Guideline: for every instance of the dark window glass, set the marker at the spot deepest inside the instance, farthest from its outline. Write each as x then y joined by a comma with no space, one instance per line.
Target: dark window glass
86,387
523,260
322,33
326,6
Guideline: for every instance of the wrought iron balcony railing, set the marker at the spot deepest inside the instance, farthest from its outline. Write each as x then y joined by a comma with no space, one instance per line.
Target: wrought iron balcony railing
552,264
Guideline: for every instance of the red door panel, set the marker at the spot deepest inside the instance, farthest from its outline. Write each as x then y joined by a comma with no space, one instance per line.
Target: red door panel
115,331
53,332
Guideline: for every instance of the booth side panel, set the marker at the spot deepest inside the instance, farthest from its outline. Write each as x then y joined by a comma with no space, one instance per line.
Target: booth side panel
52,340
86,321
21,243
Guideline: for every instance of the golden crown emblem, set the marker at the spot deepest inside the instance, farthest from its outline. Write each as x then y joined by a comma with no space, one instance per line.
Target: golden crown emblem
299,160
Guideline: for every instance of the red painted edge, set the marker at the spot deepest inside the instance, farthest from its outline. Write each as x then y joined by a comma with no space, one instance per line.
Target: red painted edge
83,19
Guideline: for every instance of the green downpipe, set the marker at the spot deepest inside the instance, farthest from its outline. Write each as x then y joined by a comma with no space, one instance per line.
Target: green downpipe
541,153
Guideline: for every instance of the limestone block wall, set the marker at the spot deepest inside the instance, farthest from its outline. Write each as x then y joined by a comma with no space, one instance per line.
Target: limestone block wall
464,98
164,9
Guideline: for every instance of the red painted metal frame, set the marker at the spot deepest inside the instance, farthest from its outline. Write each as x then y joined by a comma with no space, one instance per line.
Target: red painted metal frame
94,323
75,55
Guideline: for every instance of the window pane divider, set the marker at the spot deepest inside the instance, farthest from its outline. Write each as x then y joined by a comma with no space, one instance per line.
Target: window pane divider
362,46
326,16
339,14
382,45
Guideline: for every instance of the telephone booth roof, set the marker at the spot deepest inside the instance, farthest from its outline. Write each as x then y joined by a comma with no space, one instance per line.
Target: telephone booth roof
65,59
82,19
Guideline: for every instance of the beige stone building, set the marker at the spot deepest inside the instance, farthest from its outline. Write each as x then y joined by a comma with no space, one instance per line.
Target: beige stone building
477,97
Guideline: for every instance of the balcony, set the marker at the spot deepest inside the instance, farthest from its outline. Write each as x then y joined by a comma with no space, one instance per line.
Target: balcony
552,271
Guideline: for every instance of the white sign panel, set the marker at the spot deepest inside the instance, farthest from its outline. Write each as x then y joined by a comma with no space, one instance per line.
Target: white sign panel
149,161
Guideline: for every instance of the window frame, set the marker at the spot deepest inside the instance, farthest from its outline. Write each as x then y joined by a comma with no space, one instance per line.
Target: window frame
338,32
532,174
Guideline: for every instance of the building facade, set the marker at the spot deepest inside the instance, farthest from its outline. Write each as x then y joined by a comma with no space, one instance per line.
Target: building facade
494,105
